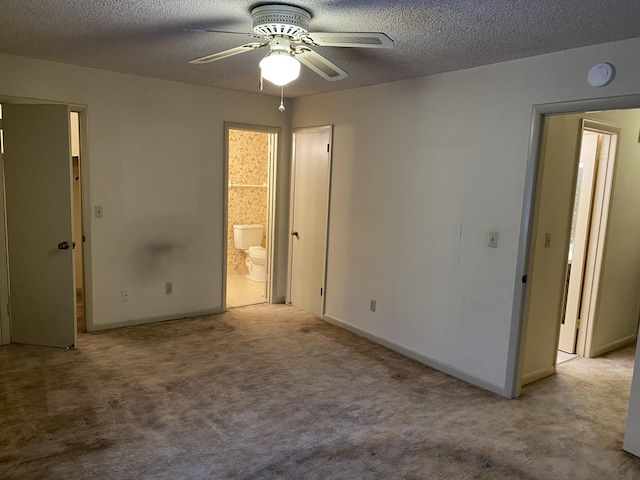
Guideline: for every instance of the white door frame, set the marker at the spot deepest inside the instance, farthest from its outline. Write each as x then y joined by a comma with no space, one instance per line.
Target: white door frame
597,237
582,208
587,285
301,130
516,338
5,327
272,207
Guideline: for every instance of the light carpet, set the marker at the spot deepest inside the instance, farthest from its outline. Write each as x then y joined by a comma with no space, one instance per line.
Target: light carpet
270,392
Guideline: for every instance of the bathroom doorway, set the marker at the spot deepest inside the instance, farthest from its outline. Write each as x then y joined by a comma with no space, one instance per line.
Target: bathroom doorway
250,204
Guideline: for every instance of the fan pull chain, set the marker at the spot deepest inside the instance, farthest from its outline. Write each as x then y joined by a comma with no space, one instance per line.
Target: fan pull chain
282,107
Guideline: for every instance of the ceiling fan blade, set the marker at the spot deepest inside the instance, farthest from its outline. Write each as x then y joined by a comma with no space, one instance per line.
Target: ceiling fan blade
228,53
206,30
347,39
319,64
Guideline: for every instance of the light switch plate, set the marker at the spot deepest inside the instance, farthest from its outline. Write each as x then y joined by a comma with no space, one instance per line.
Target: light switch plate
493,239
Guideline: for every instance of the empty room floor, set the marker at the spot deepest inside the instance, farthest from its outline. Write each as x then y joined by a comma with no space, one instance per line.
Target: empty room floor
269,391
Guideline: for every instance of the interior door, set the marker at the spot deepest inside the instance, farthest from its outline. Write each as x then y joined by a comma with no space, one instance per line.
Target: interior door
38,186
310,208
578,246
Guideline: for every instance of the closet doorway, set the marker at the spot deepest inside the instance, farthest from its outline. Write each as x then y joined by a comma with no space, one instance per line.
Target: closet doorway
43,223
251,153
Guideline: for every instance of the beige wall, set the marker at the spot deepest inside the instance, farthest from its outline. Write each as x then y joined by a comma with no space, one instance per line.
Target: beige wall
248,165
154,159
619,306
423,170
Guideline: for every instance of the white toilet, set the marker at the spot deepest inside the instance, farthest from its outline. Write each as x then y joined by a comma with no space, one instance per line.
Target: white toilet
249,239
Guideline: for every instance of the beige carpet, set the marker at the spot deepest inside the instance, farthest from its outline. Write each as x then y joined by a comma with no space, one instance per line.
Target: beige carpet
270,392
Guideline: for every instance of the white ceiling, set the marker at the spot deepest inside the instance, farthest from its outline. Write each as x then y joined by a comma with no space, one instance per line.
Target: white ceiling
146,37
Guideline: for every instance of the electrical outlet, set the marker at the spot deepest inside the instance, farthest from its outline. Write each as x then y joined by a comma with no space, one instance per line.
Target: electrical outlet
99,211
372,305
168,288
125,294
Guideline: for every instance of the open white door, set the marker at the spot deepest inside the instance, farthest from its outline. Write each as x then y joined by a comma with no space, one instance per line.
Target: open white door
37,166
309,217
579,240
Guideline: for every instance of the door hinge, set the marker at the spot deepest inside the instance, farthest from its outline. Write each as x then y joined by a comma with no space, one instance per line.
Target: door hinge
577,323
328,147
524,279
320,291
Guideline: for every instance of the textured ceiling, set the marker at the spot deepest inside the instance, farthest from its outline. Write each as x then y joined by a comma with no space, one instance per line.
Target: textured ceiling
146,37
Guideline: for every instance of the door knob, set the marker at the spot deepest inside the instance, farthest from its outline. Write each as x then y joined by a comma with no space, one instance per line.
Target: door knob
295,233
63,246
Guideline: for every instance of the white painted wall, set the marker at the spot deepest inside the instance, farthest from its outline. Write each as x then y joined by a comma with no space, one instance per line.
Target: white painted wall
424,169
154,160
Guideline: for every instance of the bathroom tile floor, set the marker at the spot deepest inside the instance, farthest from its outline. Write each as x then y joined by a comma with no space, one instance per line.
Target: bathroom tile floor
241,291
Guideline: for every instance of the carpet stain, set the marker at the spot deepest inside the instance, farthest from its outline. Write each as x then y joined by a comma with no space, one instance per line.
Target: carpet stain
271,392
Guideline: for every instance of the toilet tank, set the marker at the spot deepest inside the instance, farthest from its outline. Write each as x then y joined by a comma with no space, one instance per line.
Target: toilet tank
245,236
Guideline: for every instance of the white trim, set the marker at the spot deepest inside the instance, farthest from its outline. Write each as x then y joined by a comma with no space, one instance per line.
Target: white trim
538,374
623,342
598,236
419,357
85,209
163,318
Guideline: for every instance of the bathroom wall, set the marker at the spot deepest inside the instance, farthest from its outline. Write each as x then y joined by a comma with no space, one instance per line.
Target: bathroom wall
248,165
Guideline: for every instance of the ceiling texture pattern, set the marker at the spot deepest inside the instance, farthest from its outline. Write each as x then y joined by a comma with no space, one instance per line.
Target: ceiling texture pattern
147,37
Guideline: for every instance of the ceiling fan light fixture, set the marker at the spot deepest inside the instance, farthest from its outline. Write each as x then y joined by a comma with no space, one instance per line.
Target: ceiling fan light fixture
280,67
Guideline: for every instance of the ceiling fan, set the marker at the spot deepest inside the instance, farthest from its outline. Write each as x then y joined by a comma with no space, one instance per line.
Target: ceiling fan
285,29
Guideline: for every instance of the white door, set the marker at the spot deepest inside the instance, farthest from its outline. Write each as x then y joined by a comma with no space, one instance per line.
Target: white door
579,240
309,217
37,166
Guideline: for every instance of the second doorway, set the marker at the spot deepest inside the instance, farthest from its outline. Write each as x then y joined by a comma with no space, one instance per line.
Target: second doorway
250,212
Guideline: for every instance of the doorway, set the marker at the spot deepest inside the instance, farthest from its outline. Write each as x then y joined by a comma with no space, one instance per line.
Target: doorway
78,232
251,159
605,294
594,176
42,206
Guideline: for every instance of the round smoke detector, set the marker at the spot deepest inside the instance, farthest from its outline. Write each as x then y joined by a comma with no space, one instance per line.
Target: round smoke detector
280,20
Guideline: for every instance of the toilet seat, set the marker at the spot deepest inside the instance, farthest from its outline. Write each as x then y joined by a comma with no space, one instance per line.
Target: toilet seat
258,252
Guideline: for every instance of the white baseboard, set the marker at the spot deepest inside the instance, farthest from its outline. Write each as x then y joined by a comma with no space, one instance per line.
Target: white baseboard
538,374
420,357
623,342
144,321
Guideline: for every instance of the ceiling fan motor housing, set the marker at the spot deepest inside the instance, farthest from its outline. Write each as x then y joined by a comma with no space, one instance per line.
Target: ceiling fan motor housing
286,20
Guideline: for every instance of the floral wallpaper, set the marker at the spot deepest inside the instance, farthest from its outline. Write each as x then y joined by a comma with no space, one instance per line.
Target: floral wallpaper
248,165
